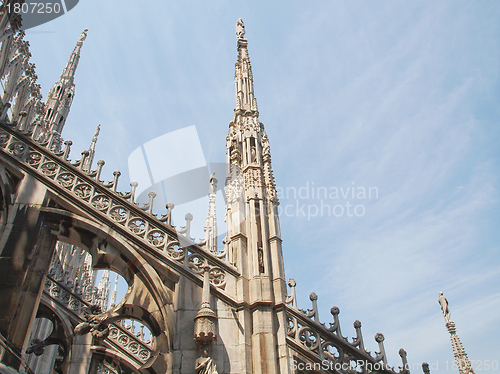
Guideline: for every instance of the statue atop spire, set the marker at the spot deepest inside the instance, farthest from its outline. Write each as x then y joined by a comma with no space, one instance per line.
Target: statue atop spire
444,307
240,29
463,363
243,77
83,36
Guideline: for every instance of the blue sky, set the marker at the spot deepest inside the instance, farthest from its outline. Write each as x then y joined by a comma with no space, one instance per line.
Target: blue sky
399,96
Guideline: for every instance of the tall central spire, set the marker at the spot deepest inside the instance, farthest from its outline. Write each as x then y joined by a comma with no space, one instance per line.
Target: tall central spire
253,241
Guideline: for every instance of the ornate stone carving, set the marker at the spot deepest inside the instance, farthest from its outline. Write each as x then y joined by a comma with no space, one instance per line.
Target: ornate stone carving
306,331
94,323
204,322
103,198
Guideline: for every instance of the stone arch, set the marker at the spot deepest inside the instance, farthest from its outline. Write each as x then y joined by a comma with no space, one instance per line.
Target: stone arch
60,335
149,297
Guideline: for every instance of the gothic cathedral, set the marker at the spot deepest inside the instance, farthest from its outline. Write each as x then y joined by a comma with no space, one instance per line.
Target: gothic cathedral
190,307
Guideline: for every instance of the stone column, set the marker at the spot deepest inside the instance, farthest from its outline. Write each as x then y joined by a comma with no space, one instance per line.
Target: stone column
26,248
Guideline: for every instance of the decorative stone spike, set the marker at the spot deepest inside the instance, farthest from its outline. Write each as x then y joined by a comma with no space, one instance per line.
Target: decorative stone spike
379,338
185,239
100,164
358,341
116,175
335,326
169,207
314,298
85,154
67,149
133,187
152,196
404,368
167,218
292,299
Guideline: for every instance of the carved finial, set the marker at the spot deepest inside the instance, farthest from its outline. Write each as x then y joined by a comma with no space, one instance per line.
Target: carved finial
404,368
358,341
315,314
240,29
292,299
335,326
169,207
381,356
116,175
152,196
133,187
67,149
100,165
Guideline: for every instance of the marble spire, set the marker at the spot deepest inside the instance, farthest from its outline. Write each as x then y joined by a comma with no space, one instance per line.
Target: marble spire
60,97
463,363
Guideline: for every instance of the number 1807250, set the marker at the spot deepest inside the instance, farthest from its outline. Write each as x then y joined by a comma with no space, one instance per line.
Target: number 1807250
34,8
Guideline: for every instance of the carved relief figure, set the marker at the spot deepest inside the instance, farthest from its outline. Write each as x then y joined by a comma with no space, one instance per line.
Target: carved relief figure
205,364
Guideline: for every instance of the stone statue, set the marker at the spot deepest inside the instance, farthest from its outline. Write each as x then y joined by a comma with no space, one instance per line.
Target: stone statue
213,184
240,29
444,307
83,36
254,154
260,254
205,364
